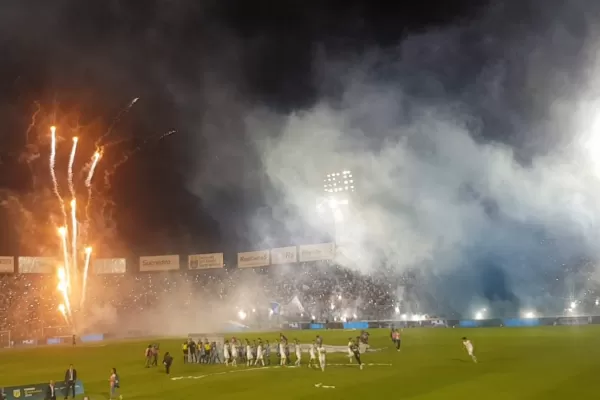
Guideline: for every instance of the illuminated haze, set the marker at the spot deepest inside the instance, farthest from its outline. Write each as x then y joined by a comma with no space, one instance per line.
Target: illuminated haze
474,155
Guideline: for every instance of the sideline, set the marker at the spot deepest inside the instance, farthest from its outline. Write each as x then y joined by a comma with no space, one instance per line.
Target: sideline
249,369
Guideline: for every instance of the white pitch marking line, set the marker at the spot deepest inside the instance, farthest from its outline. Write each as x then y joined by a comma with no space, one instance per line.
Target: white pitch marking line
177,378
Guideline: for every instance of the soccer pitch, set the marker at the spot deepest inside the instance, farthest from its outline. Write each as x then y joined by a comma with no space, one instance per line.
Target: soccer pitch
514,363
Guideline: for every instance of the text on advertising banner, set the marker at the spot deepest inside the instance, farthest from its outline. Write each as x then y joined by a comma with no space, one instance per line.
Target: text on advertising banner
205,261
37,265
7,265
37,391
251,259
284,255
317,252
159,263
109,265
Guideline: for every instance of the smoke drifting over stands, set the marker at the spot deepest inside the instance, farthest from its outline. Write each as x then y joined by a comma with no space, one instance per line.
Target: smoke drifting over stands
181,302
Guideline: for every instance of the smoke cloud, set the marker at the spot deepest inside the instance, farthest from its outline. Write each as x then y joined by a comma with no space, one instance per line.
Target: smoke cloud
474,152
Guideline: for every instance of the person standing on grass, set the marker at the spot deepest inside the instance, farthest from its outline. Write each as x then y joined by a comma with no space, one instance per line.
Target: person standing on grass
70,378
148,355
167,362
356,352
396,339
114,384
50,391
470,349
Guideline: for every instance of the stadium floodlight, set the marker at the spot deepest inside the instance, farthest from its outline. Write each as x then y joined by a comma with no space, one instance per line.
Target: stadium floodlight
332,306
242,315
254,310
417,317
354,316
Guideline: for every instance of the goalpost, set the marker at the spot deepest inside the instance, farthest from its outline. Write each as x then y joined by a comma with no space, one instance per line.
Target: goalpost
5,339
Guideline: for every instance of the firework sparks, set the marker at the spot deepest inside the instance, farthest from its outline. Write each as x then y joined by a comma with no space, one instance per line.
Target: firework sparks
63,288
53,171
116,121
62,231
70,171
74,224
88,255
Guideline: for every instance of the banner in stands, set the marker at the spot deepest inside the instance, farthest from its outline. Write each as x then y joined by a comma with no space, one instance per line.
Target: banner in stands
159,263
284,255
317,252
7,265
37,265
251,259
205,261
110,265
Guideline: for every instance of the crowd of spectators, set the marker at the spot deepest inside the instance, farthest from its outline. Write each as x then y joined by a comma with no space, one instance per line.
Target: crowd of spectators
311,291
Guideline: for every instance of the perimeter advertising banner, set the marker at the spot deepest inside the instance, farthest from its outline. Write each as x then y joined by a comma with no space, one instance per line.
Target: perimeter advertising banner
317,252
159,263
284,255
205,261
109,265
37,391
7,265
252,259
38,265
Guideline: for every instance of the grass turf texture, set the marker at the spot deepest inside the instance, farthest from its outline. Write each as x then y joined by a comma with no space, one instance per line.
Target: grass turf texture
514,363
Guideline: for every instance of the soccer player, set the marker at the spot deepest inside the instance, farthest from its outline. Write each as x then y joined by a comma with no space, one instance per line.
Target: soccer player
298,352
234,353
322,359
282,353
356,352
396,339
268,352
350,353
226,352
249,355
313,355
259,354
114,384
469,347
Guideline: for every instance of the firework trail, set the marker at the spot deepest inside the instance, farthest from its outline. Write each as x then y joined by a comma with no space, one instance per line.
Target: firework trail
74,235
53,172
62,231
33,122
116,120
88,255
70,171
88,184
63,288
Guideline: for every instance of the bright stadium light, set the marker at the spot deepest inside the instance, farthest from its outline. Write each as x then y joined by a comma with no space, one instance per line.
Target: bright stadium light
313,317
529,314
573,304
397,309
404,317
242,315
354,316
479,315
597,302
339,297
332,306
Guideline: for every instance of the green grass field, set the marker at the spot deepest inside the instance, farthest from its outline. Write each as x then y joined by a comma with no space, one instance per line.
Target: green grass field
514,363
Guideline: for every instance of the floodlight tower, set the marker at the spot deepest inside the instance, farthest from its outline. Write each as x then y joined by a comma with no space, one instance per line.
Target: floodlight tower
338,189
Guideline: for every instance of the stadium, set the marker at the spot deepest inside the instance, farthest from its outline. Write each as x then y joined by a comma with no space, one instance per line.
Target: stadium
256,199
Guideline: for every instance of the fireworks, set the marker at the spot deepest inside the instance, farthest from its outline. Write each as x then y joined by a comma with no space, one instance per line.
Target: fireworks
68,283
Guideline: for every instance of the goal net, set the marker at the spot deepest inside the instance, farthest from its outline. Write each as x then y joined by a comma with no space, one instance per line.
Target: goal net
5,339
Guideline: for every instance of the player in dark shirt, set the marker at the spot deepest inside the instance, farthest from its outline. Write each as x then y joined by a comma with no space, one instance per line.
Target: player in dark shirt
356,352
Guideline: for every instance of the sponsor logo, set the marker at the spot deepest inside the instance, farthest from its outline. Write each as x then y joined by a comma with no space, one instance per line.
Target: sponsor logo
156,262
263,257
6,261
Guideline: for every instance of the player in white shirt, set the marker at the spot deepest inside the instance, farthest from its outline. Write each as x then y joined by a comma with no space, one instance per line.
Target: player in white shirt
249,355
469,347
350,352
259,355
298,349
312,351
282,352
322,359
226,354
234,353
